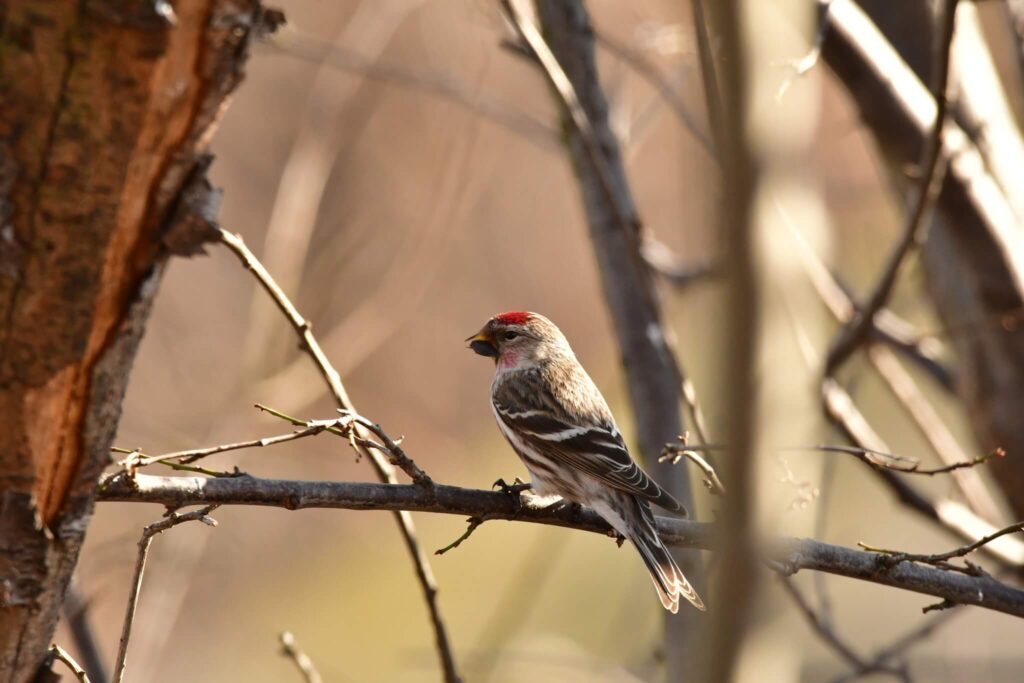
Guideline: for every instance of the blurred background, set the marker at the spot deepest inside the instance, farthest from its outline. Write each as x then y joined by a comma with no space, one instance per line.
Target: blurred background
403,186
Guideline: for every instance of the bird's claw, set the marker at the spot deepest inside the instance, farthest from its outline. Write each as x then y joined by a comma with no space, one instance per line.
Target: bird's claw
513,489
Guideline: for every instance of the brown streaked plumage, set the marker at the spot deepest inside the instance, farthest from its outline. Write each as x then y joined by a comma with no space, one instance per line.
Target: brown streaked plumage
559,424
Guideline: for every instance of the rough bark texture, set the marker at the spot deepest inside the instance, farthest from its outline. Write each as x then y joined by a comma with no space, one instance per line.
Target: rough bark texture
653,376
973,255
786,555
106,110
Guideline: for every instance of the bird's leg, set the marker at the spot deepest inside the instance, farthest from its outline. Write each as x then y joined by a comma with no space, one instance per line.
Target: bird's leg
515,488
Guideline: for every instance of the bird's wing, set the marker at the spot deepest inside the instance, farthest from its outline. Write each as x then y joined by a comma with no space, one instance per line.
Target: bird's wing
596,448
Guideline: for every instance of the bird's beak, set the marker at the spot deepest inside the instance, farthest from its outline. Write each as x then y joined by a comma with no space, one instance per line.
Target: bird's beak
483,343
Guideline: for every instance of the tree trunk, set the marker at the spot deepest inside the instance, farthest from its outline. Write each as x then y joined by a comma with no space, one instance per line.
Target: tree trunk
106,111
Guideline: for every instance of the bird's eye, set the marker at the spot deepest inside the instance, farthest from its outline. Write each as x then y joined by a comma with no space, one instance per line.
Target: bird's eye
509,336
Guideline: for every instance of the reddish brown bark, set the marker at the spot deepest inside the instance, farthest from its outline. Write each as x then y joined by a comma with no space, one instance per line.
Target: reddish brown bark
106,111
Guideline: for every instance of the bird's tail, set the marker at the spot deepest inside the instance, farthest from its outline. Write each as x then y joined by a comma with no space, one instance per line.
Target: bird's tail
668,578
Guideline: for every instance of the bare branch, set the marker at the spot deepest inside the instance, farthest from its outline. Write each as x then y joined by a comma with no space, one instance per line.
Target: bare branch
663,262
345,427
195,454
940,559
902,463
790,554
173,519
899,646
668,92
308,47
675,452
473,523
291,650
385,471
830,637
856,332
57,652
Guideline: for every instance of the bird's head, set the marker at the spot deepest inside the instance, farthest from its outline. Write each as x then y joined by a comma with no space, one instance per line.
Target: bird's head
519,339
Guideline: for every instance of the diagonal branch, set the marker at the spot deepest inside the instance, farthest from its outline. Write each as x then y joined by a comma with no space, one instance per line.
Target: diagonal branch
857,331
829,636
385,471
788,554
171,520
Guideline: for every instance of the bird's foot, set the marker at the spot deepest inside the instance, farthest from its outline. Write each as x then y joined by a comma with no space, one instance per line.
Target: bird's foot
514,489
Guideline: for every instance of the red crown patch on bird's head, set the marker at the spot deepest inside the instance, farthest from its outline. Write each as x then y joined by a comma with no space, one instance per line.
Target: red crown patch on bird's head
513,318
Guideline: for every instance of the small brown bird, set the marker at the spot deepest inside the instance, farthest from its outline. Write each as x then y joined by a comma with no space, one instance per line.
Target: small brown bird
559,424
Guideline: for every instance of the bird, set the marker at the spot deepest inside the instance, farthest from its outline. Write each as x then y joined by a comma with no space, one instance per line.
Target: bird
558,423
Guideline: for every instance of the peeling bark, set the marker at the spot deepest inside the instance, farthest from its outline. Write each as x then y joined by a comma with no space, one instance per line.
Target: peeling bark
107,111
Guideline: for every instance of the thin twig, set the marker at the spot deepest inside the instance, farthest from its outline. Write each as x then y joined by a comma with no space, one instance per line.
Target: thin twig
173,519
309,48
899,646
830,637
941,558
906,465
712,94
889,328
675,452
839,303
134,455
385,471
668,92
789,554
577,115
933,428
856,332
473,523
291,650
666,264
344,427
57,652
195,454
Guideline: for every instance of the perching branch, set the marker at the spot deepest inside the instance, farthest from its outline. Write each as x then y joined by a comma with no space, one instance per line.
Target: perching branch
789,554
385,471
173,519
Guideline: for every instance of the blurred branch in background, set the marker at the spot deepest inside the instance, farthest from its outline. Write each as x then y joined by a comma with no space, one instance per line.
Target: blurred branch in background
171,520
566,55
845,651
385,470
897,379
787,555
728,88
974,254
75,612
899,647
855,333
291,650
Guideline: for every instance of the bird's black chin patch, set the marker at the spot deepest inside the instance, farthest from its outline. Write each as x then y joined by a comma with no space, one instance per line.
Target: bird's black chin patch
483,348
